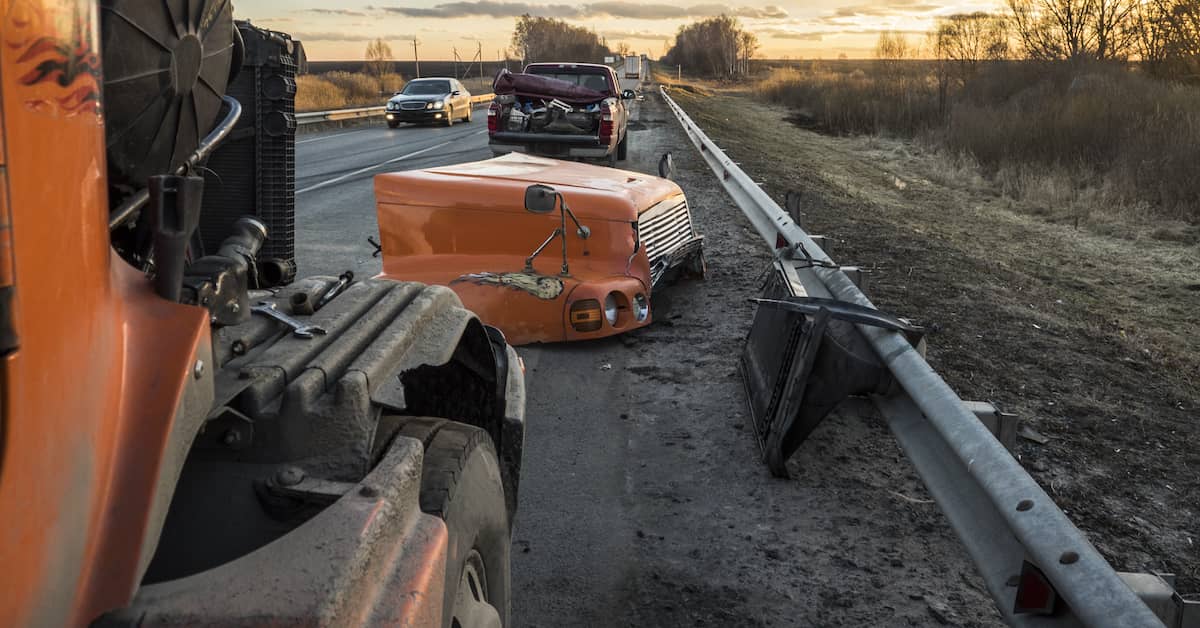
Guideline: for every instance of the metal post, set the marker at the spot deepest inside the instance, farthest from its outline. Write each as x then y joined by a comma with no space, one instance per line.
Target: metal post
416,59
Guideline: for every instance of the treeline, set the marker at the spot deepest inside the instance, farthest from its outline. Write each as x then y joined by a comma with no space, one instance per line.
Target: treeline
1163,35
716,47
538,39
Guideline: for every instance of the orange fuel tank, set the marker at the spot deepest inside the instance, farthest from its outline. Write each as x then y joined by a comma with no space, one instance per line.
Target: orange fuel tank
466,227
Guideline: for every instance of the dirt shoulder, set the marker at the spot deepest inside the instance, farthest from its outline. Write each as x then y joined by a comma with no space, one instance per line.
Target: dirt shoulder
1093,340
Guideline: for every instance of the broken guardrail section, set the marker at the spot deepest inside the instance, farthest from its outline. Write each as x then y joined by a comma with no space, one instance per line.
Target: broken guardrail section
805,354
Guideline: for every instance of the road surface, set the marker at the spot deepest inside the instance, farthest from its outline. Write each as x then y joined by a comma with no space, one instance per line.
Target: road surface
643,501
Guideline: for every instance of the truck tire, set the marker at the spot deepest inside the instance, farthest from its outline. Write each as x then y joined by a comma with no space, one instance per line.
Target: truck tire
460,483
623,148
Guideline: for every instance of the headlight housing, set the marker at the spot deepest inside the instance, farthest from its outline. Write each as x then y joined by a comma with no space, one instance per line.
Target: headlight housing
641,307
437,104
611,309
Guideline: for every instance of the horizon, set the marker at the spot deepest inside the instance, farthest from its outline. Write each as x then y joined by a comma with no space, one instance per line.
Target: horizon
786,30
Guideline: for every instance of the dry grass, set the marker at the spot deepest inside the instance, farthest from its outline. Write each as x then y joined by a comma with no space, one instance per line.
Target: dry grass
339,90
1074,143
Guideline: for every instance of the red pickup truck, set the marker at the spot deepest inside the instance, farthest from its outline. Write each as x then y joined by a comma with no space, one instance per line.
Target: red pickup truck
560,110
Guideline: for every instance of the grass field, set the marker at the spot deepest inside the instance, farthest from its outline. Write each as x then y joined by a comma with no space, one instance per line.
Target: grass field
1083,144
341,84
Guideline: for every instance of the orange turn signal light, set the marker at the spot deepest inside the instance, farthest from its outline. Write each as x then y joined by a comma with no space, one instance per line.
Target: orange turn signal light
586,315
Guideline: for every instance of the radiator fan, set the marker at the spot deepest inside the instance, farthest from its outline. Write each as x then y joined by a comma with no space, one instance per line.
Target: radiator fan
166,65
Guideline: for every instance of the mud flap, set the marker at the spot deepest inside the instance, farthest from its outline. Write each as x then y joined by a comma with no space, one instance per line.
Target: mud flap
803,357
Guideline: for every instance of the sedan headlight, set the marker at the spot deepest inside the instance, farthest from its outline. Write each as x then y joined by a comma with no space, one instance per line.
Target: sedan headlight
437,104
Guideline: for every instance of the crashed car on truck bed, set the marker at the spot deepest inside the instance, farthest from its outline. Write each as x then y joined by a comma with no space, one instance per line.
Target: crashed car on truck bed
545,250
575,110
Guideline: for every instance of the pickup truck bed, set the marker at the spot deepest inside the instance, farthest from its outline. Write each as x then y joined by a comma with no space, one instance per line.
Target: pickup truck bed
572,110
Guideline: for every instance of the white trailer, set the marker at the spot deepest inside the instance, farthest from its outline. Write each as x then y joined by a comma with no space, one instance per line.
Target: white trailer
633,66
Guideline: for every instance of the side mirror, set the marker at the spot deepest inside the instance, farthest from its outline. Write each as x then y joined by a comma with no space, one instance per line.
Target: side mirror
539,199
456,93
628,95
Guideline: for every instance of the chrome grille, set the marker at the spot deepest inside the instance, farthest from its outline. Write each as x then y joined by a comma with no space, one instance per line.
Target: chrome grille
412,106
665,227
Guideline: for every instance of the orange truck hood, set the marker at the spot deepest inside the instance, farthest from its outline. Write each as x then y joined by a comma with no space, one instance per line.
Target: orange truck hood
465,226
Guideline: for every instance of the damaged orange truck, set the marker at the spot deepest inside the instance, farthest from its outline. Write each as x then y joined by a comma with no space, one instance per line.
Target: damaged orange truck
545,250
179,444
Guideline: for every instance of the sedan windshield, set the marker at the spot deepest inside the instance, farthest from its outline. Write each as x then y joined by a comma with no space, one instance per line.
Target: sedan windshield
426,88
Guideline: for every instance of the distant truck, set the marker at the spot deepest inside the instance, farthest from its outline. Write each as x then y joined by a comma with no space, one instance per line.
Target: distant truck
564,110
633,67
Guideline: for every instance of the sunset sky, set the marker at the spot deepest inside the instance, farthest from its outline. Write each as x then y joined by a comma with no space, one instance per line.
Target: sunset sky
818,28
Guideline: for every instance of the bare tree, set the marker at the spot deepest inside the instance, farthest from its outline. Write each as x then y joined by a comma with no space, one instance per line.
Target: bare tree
716,46
891,46
379,62
965,40
1075,30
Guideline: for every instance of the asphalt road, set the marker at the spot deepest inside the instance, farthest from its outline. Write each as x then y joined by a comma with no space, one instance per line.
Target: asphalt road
335,197
643,501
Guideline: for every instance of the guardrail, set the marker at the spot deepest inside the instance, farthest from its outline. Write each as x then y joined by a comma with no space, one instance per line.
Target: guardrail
314,117
1003,518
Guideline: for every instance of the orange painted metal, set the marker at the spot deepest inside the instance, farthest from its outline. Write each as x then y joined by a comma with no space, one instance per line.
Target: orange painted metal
101,362
466,227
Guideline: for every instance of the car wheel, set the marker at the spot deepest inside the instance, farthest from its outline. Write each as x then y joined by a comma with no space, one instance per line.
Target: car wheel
460,483
468,116
450,116
392,124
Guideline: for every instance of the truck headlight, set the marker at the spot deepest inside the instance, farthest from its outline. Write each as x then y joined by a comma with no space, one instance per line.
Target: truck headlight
641,307
611,309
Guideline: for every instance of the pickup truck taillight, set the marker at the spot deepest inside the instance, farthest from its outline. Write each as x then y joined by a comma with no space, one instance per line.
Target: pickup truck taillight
606,123
493,118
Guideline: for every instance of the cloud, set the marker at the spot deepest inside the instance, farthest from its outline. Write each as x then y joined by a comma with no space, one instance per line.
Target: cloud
333,12
783,33
344,36
644,35
604,8
897,8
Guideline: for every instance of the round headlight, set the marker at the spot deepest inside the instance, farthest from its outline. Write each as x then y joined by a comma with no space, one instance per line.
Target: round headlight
611,309
437,104
641,307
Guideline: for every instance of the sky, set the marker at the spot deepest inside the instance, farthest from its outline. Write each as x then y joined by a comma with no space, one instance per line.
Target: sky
797,30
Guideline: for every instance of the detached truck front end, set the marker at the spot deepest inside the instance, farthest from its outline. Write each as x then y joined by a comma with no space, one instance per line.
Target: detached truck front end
467,227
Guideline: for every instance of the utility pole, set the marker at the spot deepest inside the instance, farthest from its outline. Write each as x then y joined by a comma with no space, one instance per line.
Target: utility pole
416,59
455,50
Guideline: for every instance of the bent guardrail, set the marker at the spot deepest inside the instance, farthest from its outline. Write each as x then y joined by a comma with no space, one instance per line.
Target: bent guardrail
1010,527
337,115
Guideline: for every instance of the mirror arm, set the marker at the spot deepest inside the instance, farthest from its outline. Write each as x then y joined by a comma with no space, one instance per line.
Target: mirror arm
538,251
583,231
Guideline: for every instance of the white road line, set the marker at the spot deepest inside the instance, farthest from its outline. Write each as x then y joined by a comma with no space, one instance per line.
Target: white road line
329,137
325,184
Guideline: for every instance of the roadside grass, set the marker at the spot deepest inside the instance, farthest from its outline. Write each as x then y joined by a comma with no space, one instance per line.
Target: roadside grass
342,90
1089,338
1086,146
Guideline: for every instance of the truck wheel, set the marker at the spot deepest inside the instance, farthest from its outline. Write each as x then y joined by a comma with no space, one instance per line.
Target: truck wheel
611,160
460,483
450,116
623,148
